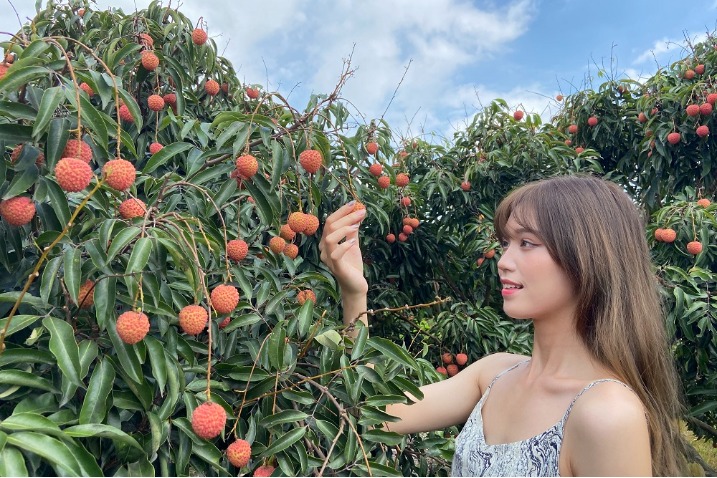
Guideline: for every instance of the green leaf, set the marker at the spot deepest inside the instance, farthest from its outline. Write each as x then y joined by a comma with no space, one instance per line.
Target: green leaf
19,322
381,436
49,448
15,133
22,181
121,240
132,106
284,416
50,100
140,255
277,343
27,299
284,442
16,110
64,348
104,431
18,76
164,155
393,351
330,338
94,407
105,300
56,140
72,265
304,318
25,379
126,356
12,463
157,361
360,341
57,199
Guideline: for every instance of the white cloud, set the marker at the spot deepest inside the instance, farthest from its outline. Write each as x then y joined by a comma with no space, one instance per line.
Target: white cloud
666,45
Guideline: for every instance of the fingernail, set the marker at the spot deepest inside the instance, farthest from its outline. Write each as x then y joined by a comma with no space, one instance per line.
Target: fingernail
361,212
351,241
351,203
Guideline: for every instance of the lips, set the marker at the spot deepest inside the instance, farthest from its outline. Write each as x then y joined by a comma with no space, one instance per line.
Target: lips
509,284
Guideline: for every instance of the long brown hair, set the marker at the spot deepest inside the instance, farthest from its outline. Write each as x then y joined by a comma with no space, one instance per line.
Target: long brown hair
594,232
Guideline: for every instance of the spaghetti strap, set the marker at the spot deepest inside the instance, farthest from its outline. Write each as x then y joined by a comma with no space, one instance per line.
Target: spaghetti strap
588,387
503,373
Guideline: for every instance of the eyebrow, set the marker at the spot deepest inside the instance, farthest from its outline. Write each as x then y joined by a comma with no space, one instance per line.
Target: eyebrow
521,230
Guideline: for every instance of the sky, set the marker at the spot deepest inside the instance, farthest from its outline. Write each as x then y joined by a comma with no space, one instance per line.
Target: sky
428,66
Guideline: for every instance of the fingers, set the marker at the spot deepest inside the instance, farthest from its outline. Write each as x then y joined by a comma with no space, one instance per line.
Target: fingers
341,249
343,216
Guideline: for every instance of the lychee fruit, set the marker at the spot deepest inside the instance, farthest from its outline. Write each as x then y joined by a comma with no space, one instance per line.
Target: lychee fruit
579,149
17,151
694,247
247,165
291,250
706,109
17,211
569,142
170,99
237,249
402,180
704,202
119,174
358,206
407,229
208,420
131,208
76,148
669,235
150,61
452,369
155,103
402,237
264,470
132,326
674,138
225,322
372,148
712,98
479,261
199,36
559,98
375,169
518,115
384,182
692,110
146,40
87,89
658,234
125,114
224,298
155,148
413,222
86,295
239,453
700,69
642,118
193,319
311,160
312,224
406,201
211,87
390,238
702,131
461,359
442,370
489,254
572,129
277,244
304,295
297,221
592,121
447,358
73,174
252,93
286,232
466,186
689,74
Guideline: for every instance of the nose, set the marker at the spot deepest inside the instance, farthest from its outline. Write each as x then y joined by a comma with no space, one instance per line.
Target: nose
506,263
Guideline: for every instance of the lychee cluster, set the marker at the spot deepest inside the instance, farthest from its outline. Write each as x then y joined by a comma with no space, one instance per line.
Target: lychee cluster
452,365
75,148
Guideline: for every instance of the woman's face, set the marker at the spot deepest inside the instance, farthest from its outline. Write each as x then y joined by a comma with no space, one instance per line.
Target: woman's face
533,285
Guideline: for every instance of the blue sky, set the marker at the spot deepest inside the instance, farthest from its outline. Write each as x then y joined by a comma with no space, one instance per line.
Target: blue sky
461,53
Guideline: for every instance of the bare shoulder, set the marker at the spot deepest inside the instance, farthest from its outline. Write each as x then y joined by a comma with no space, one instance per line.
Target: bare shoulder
607,433
491,365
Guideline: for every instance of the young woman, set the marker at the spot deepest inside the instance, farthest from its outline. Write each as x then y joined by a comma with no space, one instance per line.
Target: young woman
599,394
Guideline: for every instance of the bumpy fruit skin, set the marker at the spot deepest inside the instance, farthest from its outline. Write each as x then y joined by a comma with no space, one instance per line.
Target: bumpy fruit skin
287,233
642,118
372,148
518,115
199,36
120,174
406,201
390,238
125,114
17,211
442,370
384,182
704,202
208,420
87,89
402,180
193,319
658,234
3,70
376,169
461,359
170,98
694,247
407,229
155,148
692,110
155,102
592,121
358,206
252,93
73,174
297,221
447,358
702,131
132,327
291,251
311,160
413,222
247,166
237,249
131,208
452,369
225,322
706,109
572,129
304,295
669,235
264,470
239,453
224,298
150,61
466,186
277,244
312,224
712,98
146,40
489,254
700,69
579,149
674,138
402,237
211,87
689,74
86,295
479,261
75,148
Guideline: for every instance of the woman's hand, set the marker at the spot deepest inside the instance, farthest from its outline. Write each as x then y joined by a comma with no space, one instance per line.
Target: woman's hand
340,249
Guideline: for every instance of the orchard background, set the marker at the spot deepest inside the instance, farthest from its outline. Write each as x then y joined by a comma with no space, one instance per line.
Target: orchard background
152,266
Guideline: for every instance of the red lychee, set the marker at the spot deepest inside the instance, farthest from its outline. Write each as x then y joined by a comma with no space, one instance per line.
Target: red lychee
706,109
402,180
291,250
208,420
390,238
310,160
669,235
447,358
87,89
125,114
704,202
442,370
119,174
572,129
518,115
252,93
237,249
461,359
372,148
579,149
674,138
211,87
155,148
592,121
131,208
73,174
247,165
193,319
375,169
466,186
700,69
132,326
694,247
146,40
559,98
86,295
297,221
224,298
150,61
712,98
155,103
384,182
239,453
452,369
312,224
286,232
702,131
199,36
17,211
407,229
658,234
170,99
642,118
692,110
689,74
76,148
277,244
304,295
402,237
264,470
17,151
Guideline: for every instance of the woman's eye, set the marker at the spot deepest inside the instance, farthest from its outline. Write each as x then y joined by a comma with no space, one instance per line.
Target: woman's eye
525,243
504,244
